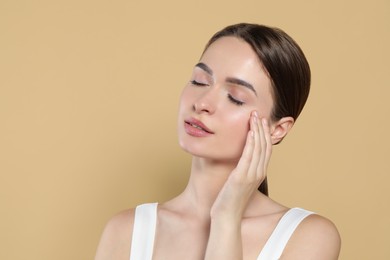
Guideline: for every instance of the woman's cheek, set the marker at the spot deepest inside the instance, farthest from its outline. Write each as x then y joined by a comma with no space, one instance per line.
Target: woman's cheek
240,119
239,128
186,97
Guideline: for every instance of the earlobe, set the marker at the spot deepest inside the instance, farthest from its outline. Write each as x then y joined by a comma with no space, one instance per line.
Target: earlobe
281,128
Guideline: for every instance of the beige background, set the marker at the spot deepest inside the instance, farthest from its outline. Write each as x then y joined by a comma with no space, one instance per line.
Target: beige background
88,98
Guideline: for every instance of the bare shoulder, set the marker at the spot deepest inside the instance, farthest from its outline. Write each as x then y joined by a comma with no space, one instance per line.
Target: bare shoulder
315,238
116,238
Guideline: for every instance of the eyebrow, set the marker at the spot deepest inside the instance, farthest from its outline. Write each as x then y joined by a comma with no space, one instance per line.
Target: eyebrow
241,83
205,68
235,81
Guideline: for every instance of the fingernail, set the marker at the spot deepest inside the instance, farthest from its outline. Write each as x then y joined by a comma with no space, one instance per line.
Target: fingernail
256,114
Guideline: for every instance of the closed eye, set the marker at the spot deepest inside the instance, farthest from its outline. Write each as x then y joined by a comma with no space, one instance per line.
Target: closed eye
235,101
196,83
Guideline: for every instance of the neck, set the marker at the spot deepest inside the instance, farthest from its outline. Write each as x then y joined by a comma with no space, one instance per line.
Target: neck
206,180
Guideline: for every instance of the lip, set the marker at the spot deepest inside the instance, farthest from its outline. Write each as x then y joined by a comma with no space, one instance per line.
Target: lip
196,128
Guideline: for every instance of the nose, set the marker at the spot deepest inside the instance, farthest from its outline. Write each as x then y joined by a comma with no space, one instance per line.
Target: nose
206,103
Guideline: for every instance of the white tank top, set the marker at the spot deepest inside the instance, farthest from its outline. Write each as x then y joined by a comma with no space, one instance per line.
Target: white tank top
145,228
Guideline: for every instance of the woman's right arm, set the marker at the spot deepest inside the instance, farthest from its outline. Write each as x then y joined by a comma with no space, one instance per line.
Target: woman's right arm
116,238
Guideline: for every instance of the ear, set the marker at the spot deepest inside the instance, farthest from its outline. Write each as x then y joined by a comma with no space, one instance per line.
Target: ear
280,128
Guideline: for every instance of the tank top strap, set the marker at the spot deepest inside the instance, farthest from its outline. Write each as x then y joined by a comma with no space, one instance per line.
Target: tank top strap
144,230
276,243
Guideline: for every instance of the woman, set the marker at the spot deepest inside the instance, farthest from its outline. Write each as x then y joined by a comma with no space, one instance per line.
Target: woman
243,97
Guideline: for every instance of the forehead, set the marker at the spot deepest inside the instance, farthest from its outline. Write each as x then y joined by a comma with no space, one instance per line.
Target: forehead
230,47
233,57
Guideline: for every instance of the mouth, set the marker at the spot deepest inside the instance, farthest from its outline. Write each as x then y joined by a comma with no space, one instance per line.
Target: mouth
195,126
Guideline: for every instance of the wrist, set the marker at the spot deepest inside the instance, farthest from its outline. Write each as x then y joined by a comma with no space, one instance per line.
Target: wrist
226,220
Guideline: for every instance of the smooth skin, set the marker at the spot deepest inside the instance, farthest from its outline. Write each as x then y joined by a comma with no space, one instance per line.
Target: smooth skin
220,214
228,209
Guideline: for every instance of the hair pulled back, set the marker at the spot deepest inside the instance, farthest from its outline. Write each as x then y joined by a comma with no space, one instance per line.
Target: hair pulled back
285,63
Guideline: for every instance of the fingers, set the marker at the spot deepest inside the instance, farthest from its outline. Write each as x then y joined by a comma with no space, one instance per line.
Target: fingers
268,141
254,124
262,148
247,154
266,148
257,151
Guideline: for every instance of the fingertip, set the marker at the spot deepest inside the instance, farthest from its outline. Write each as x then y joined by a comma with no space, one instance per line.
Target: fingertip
265,123
253,122
253,115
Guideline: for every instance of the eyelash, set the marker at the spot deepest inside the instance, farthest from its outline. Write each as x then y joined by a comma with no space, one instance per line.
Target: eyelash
235,101
196,83
230,97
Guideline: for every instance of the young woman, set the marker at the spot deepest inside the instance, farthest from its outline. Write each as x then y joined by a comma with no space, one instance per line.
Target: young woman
243,97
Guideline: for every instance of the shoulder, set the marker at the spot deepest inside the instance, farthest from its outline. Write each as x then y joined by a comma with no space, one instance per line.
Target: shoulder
316,237
116,238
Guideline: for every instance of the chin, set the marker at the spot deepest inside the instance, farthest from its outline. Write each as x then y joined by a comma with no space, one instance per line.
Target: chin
213,154
209,148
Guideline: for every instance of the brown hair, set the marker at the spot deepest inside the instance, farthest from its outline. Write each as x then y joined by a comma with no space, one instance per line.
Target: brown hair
285,64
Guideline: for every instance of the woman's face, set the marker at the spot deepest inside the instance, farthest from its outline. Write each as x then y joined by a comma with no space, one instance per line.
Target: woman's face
226,85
